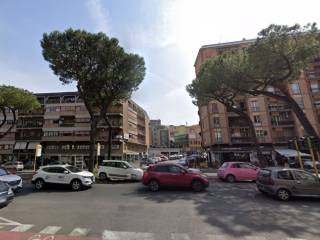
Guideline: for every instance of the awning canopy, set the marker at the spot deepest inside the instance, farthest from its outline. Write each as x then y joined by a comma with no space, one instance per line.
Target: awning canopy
20,145
32,145
291,153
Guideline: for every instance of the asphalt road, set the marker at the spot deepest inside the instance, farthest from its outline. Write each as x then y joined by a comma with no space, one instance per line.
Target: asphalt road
236,211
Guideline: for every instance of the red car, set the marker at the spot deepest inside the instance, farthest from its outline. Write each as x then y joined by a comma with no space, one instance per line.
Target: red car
238,171
168,174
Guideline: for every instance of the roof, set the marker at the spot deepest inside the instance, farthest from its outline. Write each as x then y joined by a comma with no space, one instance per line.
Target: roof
56,165
290,153
228,44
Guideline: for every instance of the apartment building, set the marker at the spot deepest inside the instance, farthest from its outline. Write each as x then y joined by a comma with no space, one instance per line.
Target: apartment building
226,136
159,134
62,127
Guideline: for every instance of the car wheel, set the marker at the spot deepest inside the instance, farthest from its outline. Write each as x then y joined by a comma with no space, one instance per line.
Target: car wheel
283,194
230,178
103,176
154,185
39,184
197,186
76,185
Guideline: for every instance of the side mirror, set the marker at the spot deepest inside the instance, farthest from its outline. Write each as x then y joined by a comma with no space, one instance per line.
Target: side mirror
66,172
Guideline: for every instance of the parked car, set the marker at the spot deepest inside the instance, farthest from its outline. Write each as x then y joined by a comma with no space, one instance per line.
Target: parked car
169,174
6,194
18,166
14,181
119,170
287,182
237,171
63,175
183,162
308,166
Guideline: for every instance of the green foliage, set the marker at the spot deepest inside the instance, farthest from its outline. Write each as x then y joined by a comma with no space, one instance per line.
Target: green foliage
103,71
281,52
17,99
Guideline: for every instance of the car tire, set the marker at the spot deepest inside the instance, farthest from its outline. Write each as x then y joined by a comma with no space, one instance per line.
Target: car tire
76,185
283,194
197,186
39,184
103,176
154,185
230,178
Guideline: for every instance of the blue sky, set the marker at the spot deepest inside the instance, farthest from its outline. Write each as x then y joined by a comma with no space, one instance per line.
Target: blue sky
167,33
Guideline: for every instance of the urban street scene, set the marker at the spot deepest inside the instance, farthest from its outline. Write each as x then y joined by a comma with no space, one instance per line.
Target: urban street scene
159,120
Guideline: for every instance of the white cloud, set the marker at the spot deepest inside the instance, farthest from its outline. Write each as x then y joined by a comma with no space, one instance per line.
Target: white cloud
99,14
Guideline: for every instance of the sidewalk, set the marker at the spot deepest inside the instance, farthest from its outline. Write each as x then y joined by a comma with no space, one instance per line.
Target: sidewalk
211,173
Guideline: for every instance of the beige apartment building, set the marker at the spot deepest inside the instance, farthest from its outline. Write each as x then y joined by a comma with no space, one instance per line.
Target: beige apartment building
62,127
225,135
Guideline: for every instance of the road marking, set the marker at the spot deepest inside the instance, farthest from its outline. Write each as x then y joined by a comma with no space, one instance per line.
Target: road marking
295,239
114,235
255,238
79,232
22,228
5,221
179,236
50,230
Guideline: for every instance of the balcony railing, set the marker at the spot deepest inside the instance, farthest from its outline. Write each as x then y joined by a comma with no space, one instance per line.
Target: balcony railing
311,75
277,108
282,123
240,139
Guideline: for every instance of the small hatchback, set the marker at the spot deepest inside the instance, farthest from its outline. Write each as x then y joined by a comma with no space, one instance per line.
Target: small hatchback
119,170
286,182
237,171
174,175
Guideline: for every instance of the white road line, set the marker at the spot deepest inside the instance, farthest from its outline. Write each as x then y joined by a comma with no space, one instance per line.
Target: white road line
22,228
79,232
179,236
255,238
295,239
5,221
50,230
114,235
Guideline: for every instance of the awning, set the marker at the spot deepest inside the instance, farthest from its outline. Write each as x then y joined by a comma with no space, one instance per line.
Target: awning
20,145
291,153
32,145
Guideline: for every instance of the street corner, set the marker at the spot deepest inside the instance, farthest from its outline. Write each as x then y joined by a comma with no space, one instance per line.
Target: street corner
7,235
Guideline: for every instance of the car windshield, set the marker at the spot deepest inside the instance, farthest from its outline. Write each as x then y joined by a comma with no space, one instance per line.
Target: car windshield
73,169
129,165
3,172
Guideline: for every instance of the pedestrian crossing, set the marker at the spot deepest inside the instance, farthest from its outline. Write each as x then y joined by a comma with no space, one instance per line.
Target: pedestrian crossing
123,235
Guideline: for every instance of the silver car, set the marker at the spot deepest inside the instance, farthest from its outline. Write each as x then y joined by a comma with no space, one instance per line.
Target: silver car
14,181
6,194
286,182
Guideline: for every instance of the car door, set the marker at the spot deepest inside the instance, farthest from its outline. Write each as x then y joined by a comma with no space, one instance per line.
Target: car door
111,170
49,174
121,170
162,174
248,171
177,176
306,183
60,175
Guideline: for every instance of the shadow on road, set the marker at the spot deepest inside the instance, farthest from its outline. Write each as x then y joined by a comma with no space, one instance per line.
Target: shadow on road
239,210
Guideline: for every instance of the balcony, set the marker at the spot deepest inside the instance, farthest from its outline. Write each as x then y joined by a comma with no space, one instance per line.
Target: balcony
313,74
282,139
278,108
282,123
255,109
241,139
29,125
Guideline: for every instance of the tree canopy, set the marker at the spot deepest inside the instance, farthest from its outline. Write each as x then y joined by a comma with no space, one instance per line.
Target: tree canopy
102,71
15,99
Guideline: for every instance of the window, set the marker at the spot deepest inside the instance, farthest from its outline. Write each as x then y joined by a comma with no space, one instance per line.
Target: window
109,164
217,134
65,147
295,88
225,165
285,175
215,108
270,89
247,165
235,165
257,120
261,133
315,87
60,170
216,122
175,169
161,169
304,176
254,106
317,104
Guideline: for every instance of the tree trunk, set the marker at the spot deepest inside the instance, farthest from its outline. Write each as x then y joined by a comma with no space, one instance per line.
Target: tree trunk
93,136
109,136
304,121
261,158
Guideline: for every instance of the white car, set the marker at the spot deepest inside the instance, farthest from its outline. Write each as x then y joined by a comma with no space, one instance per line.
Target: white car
14,181
14,165
62,174
119,170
